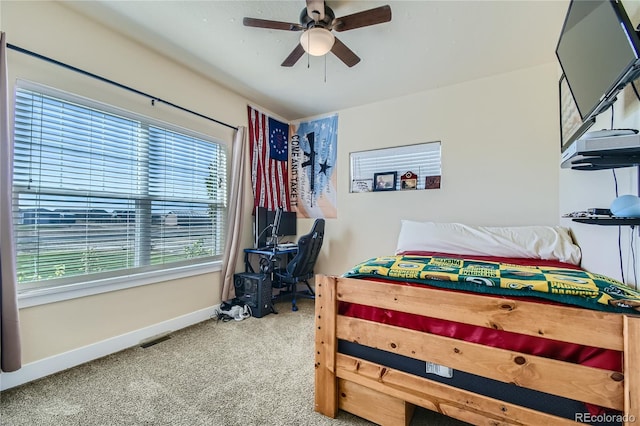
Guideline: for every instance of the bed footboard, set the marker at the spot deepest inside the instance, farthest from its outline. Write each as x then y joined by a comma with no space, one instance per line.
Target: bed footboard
387,396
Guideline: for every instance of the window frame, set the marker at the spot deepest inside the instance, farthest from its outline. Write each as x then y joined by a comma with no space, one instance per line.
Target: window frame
33,295
426,159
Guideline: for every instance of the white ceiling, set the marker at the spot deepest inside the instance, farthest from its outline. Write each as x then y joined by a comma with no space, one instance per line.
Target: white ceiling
427,44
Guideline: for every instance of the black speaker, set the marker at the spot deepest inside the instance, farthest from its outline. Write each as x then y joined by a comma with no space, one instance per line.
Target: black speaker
255,291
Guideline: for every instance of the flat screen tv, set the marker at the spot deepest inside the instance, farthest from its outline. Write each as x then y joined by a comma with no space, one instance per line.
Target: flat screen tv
599,53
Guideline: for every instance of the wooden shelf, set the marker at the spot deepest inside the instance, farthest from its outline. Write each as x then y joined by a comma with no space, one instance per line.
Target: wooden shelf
608,221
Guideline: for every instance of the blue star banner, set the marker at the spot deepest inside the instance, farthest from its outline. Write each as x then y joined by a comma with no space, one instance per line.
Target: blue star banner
278,140
314,153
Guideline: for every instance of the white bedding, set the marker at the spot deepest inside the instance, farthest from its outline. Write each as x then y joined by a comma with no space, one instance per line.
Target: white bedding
537,242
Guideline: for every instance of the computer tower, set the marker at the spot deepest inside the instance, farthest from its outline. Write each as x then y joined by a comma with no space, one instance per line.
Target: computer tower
255,291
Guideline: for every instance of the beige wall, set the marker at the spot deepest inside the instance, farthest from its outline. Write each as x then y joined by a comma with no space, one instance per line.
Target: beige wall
56,328
499,161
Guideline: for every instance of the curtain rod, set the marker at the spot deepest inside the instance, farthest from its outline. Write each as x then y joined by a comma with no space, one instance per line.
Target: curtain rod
122,86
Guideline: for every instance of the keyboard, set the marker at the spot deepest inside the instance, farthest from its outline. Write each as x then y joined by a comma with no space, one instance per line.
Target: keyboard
287,245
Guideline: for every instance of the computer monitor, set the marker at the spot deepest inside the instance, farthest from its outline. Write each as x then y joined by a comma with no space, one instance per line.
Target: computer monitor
260,227
264,221
288,224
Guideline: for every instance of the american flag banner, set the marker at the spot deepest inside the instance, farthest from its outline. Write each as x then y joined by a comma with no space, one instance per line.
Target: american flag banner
269,155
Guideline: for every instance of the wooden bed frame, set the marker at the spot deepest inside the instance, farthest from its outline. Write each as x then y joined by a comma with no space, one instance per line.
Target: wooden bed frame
387,396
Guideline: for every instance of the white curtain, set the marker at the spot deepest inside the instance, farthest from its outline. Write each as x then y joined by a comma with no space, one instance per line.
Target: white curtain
236,203
10,347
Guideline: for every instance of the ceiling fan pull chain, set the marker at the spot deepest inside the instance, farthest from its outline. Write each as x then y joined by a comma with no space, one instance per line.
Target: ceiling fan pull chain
308,54
325,69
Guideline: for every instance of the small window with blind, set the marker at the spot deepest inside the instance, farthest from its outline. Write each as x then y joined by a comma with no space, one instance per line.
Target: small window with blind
100,193
405,167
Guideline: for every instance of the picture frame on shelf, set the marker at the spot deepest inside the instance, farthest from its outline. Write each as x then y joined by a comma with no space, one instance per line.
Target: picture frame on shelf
362,185
408,180
385,181
432,182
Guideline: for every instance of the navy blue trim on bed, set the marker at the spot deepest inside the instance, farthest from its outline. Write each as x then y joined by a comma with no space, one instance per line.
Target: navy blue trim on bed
536,400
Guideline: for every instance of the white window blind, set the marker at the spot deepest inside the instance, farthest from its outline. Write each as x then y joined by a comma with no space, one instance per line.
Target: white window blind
423,159
100,193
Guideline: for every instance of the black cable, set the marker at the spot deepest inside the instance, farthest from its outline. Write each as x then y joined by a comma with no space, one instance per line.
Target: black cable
615,181
633,251
612,114
620,252
635,89
633,257
264,230
122,86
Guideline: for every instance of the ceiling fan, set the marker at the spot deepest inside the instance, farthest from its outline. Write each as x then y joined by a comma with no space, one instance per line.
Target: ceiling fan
318,21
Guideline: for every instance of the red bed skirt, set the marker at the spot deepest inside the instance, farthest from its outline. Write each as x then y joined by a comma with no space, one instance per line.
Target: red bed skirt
578,354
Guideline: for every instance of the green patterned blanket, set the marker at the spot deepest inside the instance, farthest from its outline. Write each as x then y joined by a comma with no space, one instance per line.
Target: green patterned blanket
563,285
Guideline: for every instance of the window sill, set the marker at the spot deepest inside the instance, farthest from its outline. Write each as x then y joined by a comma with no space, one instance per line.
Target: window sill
44,296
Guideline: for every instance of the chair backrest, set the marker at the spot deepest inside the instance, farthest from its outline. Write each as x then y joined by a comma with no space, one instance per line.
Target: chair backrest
309,246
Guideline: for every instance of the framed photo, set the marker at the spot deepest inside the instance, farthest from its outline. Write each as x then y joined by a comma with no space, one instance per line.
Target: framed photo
385,181
432,182
362,185
408,180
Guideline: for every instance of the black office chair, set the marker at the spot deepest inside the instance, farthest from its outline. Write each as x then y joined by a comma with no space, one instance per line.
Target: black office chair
300,268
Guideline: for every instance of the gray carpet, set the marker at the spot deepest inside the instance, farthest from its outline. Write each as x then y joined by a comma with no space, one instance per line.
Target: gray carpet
253,372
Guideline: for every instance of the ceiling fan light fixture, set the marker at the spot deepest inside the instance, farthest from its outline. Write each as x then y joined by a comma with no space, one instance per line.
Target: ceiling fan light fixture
317,41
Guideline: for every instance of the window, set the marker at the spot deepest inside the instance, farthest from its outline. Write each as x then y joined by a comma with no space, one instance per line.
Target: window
422,159
103,193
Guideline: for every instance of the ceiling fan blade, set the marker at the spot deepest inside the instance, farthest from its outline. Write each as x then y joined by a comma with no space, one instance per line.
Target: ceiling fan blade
345,54
274,25
365,18
293,56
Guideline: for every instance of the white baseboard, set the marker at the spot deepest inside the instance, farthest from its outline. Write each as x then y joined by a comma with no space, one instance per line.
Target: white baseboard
63,361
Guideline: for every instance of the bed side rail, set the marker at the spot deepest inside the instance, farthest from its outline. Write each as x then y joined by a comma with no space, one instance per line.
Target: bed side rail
563,323
582,383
